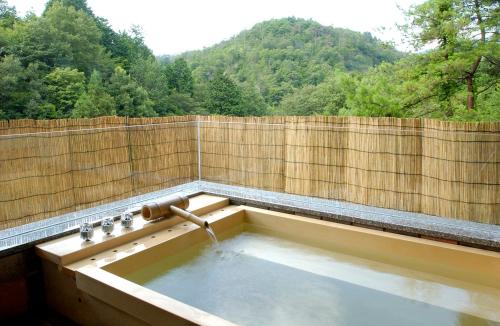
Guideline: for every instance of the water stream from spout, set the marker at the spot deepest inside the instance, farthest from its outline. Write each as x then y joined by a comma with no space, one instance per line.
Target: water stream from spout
211,235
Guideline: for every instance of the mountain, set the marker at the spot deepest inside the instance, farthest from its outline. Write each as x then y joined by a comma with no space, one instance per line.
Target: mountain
280,56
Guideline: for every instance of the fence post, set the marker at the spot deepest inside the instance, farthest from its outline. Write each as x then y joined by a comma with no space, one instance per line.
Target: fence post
199,149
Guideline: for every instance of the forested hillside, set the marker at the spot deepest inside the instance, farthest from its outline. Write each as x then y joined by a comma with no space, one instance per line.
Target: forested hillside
70,63
457,79
279,56
298,67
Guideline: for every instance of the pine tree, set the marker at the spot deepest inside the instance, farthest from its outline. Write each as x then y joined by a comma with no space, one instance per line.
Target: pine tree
224,96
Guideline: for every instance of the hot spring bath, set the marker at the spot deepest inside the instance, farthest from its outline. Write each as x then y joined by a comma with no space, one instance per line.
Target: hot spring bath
275,269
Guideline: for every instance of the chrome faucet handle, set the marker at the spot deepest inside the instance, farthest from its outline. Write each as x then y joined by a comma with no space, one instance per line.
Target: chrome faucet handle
86,231
127,219
107,225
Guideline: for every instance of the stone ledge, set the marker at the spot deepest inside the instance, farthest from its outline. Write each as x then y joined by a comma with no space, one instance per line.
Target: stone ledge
447,229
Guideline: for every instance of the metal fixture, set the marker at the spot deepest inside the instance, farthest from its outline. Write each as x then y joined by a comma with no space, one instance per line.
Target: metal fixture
107,225
86,231
127,219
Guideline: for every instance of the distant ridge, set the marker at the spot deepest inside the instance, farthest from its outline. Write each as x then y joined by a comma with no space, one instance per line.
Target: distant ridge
281,55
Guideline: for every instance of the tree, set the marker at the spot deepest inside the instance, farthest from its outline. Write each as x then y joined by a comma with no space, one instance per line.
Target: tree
85,107
148,72
77,4
125,49
21,89
179,76
281,56
64,87
180,103
326,98
11,74
70,63
128,49
62,37
223,96
374,93
95,101
130,98
467,34
8,15
252,103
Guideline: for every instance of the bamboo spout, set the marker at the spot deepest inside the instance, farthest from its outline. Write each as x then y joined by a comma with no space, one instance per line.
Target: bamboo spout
189,216
161,208
167,207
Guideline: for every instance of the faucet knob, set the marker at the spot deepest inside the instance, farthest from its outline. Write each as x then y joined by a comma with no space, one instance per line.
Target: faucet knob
126,219
86,231
107,225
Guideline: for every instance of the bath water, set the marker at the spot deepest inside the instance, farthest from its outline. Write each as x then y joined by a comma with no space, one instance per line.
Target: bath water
255,278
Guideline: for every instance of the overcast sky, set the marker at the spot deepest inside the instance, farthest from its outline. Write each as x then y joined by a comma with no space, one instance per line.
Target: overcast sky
172,27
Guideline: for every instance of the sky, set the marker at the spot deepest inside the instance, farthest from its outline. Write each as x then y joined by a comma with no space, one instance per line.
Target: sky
173,27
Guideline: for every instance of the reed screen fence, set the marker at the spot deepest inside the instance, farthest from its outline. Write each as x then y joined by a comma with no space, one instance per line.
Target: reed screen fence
440,168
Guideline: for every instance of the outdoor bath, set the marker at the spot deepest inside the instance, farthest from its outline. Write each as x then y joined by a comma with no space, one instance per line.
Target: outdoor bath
306,163
268,268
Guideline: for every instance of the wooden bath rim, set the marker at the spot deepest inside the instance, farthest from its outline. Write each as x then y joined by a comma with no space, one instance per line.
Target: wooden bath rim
83,279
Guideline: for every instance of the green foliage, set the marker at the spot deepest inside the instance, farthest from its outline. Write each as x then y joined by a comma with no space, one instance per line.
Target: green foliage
283,55
374,93
327,98
181,103
252,103
12,76
126,49
64,87
130,98
148,72
76,4
63,37
456,80
466,58
71,63
223,96
85,108
44,61
95,101
8,15
21,89
179,76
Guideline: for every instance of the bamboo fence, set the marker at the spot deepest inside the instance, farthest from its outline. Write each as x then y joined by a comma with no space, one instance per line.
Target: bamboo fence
54,167
451,169
439,168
